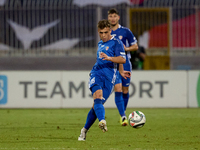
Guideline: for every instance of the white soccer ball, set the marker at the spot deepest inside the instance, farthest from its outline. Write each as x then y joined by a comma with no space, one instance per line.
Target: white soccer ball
136,119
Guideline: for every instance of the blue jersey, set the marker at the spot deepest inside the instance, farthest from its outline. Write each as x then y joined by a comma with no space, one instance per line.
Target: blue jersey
128,39
111,48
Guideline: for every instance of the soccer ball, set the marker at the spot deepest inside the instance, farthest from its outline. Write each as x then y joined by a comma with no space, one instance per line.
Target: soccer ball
136,119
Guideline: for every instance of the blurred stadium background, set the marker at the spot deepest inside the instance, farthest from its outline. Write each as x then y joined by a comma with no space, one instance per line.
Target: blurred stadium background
62,34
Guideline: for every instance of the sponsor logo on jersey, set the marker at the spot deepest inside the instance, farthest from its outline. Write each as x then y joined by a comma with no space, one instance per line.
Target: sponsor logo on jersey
120,37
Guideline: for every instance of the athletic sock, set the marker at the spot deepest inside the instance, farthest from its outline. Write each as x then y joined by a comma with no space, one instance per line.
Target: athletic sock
119,103
99,109
91,117
126,98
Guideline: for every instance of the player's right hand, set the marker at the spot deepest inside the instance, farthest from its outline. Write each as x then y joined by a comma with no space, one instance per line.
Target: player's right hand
126,74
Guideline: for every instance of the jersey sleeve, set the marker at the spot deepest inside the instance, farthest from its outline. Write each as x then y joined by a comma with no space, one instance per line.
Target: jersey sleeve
119,49
131,38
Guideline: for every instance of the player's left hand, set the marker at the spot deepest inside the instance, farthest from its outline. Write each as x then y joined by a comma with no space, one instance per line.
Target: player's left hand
126,74
105,57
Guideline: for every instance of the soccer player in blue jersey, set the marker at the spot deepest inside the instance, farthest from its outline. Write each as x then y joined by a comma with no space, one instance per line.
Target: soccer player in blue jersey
129,41
102,76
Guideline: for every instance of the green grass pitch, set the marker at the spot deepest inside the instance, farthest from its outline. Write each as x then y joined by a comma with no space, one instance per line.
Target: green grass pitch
58,129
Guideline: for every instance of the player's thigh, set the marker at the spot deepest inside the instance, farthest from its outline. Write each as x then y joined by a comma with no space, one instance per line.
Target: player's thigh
107,90
125,85
118,78
126,82
95,83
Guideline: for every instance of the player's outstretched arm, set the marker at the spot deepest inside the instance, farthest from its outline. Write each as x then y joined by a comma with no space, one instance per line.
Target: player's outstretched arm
133,47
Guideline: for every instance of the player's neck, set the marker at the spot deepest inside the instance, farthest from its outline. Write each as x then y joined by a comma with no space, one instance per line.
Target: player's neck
110,37
115,27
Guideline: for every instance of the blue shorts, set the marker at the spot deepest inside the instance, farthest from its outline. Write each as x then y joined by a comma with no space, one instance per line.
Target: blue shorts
120,79
97,82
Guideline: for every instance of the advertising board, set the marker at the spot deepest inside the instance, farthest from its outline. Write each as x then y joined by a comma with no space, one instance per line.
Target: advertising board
69,89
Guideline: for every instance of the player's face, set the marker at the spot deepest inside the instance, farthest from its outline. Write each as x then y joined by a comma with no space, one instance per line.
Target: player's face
105,34
113,19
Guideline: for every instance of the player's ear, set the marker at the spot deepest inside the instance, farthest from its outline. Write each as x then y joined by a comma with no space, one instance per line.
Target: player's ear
119,16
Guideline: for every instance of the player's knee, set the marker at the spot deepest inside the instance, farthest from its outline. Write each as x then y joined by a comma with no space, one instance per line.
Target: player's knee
125,90
98,94
98,97
118,88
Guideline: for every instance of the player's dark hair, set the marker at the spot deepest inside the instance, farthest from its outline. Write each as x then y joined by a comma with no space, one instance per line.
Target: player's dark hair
113,11
103,24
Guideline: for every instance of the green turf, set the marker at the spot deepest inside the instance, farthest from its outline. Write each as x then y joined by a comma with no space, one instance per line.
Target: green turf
58,129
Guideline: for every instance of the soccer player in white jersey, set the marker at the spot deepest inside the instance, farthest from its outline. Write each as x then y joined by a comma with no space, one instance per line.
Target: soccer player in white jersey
102,76
129,41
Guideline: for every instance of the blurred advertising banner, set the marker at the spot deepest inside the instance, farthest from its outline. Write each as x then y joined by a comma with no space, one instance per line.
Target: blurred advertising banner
194,88
69,89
